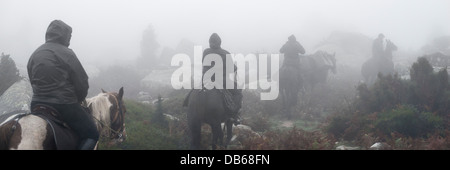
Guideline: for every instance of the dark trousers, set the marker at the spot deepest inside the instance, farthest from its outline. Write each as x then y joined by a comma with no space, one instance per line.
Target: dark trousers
77,118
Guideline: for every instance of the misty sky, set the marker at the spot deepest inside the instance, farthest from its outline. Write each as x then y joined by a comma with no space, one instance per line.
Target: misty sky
112,29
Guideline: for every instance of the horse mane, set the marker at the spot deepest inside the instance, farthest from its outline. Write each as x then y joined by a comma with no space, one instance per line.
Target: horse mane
100,106
321,58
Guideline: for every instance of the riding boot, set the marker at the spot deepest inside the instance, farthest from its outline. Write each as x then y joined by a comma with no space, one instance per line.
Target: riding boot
87,144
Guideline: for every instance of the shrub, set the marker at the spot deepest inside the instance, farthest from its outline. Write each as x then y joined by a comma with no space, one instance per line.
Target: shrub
428,89
407,120
292,139
349,126
258,123
337,126
387,92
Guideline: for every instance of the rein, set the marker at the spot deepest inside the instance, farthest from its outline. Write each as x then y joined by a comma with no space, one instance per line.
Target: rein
118,114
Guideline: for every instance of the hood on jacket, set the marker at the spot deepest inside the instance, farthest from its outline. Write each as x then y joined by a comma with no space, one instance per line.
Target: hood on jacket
292,38
58,32
215,41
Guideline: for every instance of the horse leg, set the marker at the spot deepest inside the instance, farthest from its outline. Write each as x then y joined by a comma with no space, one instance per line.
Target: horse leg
217,135
229,126
283,101
292,98
195,130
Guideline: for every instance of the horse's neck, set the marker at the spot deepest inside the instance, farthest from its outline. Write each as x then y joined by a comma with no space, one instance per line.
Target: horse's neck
388,54
100,108
325,60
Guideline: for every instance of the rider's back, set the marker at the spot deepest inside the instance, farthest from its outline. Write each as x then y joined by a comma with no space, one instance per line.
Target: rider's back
55,72
292,50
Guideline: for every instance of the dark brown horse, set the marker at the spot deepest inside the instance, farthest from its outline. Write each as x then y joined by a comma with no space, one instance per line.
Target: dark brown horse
315,68
207,106
312,70
290,84
32,131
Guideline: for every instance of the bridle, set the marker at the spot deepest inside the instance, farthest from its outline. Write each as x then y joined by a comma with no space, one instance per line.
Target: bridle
118,119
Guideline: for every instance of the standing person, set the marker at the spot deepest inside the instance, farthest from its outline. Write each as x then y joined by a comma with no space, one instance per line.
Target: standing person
59,80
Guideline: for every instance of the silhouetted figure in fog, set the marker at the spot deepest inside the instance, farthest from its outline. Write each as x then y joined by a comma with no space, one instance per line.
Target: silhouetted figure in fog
381,60
292,50
232,97
215,48
290,79
210,105
59,80
234,94
378,46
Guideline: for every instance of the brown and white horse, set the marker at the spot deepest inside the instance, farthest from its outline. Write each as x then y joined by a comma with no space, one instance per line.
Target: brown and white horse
24,131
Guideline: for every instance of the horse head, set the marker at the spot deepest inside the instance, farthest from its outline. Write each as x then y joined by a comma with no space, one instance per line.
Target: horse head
390,46
109,112
330,59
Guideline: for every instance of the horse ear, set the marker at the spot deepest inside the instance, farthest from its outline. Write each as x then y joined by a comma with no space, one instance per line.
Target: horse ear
120,93
103,91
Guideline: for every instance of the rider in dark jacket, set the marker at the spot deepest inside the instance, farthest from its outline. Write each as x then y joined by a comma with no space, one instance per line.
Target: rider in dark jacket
292,50
378,47
59,80
214,48
235,94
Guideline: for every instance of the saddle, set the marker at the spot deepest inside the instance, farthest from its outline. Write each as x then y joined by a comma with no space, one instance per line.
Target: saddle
232,100
65,138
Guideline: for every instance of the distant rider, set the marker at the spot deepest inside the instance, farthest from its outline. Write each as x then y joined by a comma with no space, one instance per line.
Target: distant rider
292,50
378,46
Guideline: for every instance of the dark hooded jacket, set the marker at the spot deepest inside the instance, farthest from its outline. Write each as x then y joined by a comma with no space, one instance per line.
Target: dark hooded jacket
377,47
292,50
214,44
55,73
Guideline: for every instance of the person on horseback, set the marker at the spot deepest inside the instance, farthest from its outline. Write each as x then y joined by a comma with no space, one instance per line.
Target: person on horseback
290,77
378,46
291,50
234,95
59,81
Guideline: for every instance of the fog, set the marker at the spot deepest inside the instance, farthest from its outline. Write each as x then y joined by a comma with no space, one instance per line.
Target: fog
110,31
333,98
